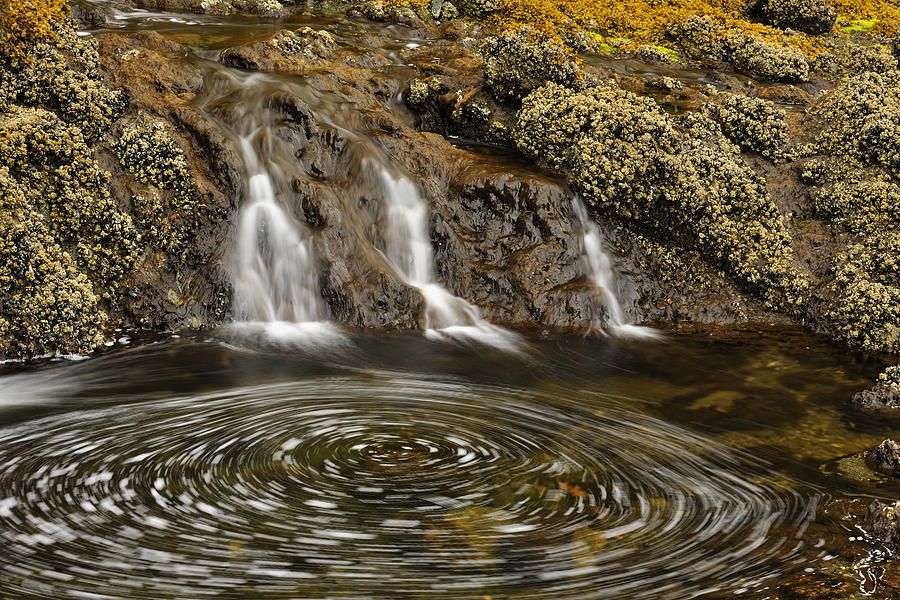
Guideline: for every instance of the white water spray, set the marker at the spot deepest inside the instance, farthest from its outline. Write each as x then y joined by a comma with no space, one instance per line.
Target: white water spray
408,247
275,273
603,277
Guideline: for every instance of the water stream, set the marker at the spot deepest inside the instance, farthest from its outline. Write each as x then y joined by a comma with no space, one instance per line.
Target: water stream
212,466
409,249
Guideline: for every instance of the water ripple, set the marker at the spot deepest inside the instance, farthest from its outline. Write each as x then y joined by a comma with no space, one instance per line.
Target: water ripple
383,485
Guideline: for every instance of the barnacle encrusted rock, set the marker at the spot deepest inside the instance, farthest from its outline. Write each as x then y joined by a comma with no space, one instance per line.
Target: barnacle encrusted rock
629,161
809,16
219,7
148,151
884,395
703,39
517,62
855,59
882,521
885,458
779,63
287,50
754,124
855,131
76,94
477,8
46,304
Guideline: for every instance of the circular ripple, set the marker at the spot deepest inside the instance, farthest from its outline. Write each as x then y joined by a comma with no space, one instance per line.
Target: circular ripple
382,486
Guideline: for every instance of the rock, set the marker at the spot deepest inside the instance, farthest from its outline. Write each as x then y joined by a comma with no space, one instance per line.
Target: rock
767,60
518,62
855,59
630,162
700,38
754,124
509,243
885,458
809,16
882,521
477,8
884,396
287,51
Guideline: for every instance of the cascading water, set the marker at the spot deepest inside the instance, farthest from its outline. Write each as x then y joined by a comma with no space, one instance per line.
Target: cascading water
273,270
408,247
603,277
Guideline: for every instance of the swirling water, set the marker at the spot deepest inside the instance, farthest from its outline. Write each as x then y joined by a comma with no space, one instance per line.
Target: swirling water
402,469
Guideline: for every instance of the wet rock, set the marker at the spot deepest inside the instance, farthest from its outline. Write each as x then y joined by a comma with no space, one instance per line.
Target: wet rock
885,458
509,243
754,124
810,16
787,94
180,175
882,521
88,15
629,161
883,396
287,50
359,285
517,62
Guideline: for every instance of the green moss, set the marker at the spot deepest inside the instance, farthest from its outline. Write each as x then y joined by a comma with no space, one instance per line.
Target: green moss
859,26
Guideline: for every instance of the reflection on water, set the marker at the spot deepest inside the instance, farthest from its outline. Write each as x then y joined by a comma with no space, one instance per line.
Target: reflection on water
592,469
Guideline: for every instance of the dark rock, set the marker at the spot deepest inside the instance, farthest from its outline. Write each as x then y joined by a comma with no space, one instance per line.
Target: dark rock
885,458
884,396
882,521
809,16
509,243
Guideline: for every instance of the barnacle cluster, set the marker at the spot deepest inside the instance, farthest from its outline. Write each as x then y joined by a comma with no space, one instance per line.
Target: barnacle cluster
754,124
517,62
630,161
169,208
857,171
65,244
810,16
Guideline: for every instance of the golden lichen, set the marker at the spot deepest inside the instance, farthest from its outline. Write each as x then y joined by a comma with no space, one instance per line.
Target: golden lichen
23,22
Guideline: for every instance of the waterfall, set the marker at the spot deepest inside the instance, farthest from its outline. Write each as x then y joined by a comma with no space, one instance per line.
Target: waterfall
274,272
408,247
603,277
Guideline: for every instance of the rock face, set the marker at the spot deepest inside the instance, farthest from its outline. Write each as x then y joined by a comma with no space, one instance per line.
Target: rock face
508,242
809,16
